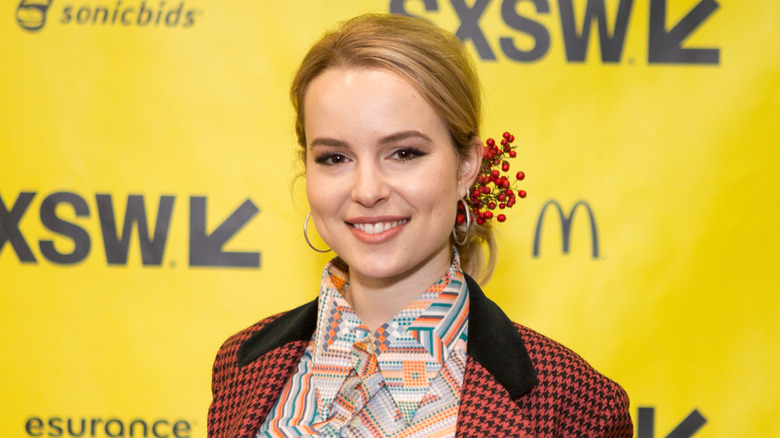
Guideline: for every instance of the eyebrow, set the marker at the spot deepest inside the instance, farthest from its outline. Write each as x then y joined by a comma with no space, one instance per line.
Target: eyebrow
403,136
392,138
325,141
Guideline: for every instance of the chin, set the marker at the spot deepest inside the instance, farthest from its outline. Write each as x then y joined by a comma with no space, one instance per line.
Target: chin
382,270
393,267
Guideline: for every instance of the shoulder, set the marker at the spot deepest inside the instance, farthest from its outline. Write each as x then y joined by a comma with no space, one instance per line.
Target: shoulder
227,355
556,363
280,330
571,395
232,344
246,381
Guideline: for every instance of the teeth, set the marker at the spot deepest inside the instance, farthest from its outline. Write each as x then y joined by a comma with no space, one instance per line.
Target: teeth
378,227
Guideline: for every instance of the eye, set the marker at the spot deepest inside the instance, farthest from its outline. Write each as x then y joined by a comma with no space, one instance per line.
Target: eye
407,154
331,159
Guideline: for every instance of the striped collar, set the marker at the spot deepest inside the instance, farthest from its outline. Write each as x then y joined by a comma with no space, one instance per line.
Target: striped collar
493,340
410,349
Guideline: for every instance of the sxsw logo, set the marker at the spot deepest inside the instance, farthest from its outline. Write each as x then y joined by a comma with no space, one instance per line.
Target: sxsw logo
205,248
665,40
31,15
566,223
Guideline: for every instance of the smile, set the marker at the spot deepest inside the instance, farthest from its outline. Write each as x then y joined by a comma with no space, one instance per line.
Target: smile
379,227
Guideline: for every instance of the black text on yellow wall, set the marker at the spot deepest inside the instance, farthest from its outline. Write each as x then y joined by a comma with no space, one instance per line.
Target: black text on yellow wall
664,40
205,249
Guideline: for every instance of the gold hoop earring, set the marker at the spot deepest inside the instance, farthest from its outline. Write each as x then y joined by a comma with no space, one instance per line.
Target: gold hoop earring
305,235
468,224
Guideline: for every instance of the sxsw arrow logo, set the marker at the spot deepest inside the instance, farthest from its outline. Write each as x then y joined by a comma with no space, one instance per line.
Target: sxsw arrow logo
666,46
206,249
645,424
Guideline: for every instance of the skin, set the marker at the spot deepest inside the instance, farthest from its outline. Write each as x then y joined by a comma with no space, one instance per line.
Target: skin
378,153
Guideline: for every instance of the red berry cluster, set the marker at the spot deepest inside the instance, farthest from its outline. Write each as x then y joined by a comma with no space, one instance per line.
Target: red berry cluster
493,190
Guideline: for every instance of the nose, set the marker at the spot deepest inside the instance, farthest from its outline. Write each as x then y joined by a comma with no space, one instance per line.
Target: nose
370,185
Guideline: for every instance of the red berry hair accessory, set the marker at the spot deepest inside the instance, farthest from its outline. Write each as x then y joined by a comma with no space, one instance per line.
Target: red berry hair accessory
494,187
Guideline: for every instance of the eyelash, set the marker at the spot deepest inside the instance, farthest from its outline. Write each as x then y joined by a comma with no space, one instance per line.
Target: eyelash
330,159
336,158
412,153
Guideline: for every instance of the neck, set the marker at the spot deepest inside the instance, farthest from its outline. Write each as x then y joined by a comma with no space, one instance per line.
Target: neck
377,300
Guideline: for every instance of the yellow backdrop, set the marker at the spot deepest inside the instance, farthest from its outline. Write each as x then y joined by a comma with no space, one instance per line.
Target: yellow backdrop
149,204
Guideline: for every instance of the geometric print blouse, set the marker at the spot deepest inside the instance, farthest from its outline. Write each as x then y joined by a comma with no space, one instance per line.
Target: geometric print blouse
402,380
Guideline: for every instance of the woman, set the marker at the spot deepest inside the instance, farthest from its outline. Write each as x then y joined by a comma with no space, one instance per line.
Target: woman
401,341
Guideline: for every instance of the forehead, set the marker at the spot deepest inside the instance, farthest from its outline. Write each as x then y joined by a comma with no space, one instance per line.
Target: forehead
367,100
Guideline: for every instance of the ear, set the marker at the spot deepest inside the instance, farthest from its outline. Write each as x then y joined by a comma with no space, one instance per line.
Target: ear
470,165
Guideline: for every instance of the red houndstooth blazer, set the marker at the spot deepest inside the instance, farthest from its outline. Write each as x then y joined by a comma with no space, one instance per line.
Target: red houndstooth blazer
517,383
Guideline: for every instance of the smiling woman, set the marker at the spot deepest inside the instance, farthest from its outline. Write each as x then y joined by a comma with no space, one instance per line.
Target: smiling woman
401,340
374,147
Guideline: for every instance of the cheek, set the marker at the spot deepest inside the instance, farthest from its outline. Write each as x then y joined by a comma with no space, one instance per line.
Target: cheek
317,193
435,192
326,193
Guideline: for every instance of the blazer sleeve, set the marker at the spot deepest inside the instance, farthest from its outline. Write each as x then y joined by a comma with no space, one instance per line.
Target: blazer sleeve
226,385
617,420
225,364
572,399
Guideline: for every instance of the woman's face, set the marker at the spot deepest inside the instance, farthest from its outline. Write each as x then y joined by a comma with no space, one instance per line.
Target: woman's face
382,176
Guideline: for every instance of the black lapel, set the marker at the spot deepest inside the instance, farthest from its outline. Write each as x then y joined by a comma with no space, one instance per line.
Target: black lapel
495,343
296,325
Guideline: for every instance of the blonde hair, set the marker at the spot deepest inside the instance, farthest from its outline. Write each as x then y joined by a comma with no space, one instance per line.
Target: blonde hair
437,64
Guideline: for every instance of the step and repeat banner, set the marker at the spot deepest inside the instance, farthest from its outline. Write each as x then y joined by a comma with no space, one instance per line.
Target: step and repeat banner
152,204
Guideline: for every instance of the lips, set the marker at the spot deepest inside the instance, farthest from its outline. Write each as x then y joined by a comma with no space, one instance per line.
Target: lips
378,227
